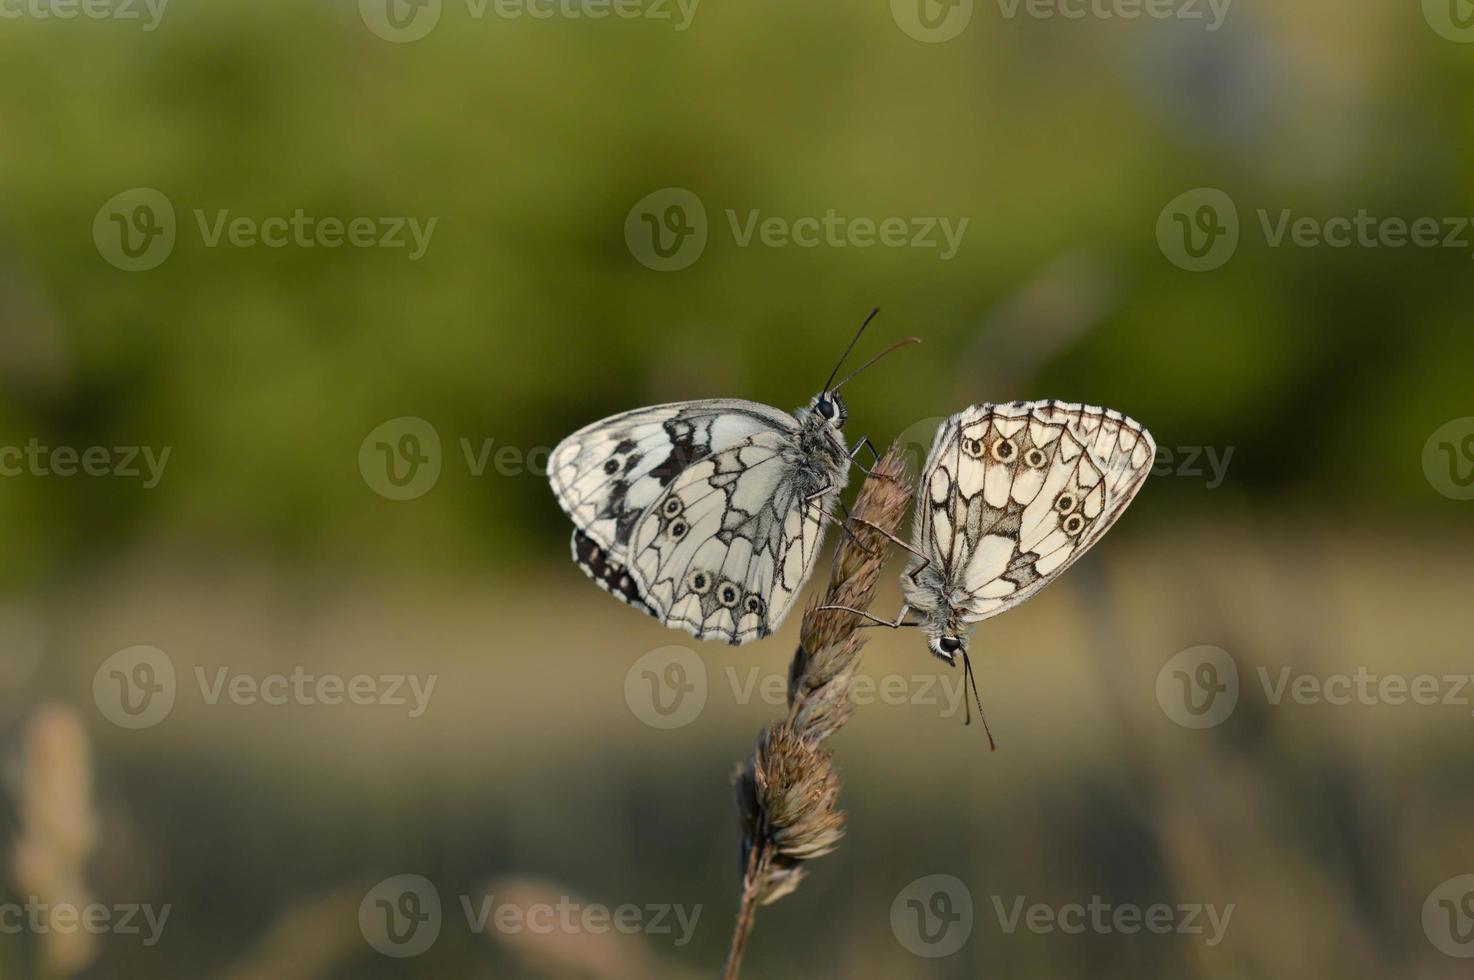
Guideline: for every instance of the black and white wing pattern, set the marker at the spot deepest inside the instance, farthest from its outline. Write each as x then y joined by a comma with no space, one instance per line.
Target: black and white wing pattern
691,513
1015,493
607,474
726,548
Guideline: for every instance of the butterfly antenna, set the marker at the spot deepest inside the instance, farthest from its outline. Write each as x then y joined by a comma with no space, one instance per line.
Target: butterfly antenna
967,669
853,341
907,342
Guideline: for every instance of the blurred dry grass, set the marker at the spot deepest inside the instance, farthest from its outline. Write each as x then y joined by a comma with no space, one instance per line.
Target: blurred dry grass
1325,826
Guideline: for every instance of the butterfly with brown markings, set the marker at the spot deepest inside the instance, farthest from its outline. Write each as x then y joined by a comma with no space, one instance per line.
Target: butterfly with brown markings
1010,496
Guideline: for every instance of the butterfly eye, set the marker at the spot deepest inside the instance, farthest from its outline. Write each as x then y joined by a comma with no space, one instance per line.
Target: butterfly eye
698,581
678,529
753,605
1035,459
672,507
1005,450
728,594
1066,502
973,448
825,408
1074,524
949,644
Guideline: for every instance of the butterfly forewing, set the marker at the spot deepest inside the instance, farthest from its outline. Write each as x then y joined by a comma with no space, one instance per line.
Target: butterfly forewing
607,474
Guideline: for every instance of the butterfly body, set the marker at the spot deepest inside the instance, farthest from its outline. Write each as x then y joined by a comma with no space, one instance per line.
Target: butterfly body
1010,496
705,514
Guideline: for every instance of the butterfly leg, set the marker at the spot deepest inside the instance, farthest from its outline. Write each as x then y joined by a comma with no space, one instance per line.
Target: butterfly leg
864,443
843,525
925,561
876,620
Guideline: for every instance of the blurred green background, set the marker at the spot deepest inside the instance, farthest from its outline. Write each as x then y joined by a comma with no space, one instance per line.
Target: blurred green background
1333,539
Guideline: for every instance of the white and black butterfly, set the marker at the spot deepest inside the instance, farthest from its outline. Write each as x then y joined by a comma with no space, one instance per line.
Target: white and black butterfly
707,514
1010,496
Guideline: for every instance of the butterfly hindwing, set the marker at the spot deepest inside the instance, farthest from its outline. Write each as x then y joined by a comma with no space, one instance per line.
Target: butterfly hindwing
1015,493
611,574
725,549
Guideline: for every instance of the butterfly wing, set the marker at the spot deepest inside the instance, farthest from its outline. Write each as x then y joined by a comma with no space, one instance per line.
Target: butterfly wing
607,474
1016,493
725,550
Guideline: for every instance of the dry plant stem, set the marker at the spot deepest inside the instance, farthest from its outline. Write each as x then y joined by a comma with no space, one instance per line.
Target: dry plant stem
787,791
752,877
